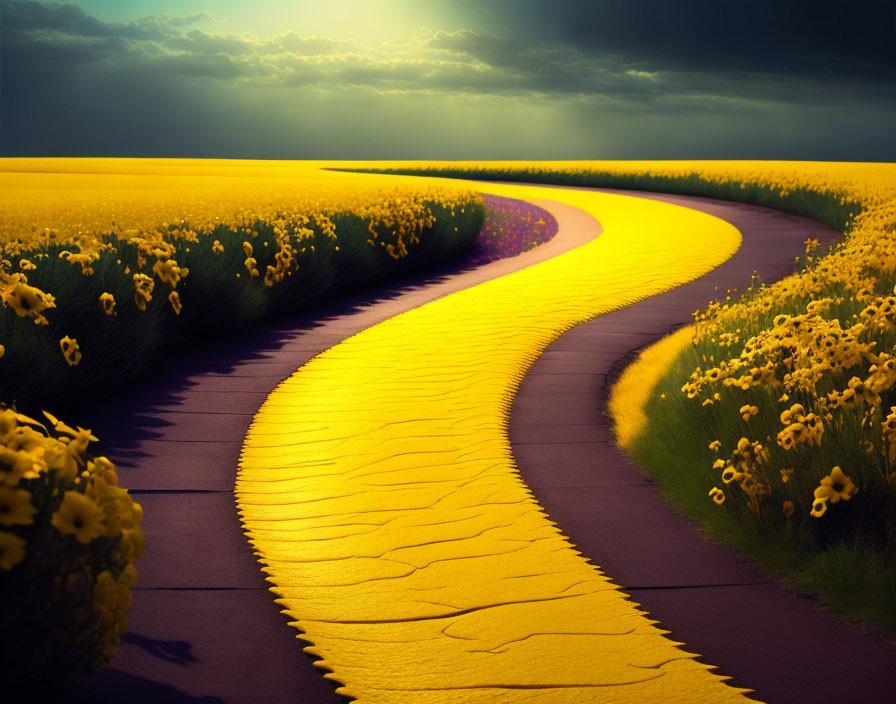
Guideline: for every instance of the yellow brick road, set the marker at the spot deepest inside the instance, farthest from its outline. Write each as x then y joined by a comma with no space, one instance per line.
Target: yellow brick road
378,488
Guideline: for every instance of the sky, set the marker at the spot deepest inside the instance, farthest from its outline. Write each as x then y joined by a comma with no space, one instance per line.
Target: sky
450,79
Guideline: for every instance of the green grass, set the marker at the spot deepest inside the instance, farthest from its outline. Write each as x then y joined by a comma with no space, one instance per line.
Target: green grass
216,303
845,557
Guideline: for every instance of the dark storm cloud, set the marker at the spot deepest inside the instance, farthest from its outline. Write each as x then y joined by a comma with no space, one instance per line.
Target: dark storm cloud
44,42
586,49
73,83
71,20
813,37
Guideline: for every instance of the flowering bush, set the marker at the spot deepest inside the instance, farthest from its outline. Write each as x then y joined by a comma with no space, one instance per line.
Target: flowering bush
815,355
104,263
69,537
510,228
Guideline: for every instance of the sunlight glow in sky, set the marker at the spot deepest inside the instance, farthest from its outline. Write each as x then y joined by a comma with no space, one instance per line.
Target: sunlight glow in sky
465,79
363,20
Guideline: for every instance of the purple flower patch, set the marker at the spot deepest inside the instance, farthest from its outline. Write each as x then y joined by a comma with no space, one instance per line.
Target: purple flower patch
511,227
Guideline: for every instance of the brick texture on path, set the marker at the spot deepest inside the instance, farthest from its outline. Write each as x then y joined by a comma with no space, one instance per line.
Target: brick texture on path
205,629
765,637
203,626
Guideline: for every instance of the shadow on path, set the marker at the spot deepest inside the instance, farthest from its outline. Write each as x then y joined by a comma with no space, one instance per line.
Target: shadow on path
752,629
204,627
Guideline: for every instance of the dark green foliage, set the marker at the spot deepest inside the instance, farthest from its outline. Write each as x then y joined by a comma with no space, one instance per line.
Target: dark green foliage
823,207
216,302
845,557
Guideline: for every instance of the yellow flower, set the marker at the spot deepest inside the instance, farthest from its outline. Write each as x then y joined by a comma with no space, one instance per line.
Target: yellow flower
819,507
19,464
748,411
128,576
78,515
58,425
106,598
58,457
836,486
717,495
70,350
130,512
108,302
731,475
788,508
168,271
217,247
16,507
789,437
133,542
715,445
785,475
102,467
143,286
174,300
12,550
27,300
77,444
26,265
247,248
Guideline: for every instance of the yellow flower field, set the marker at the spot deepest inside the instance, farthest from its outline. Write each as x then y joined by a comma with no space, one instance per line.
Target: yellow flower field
790,388
809,361
78,202
105,266
196,245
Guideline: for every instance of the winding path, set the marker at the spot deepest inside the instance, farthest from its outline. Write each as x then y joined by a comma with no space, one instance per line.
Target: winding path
768,638
378,488
204,628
